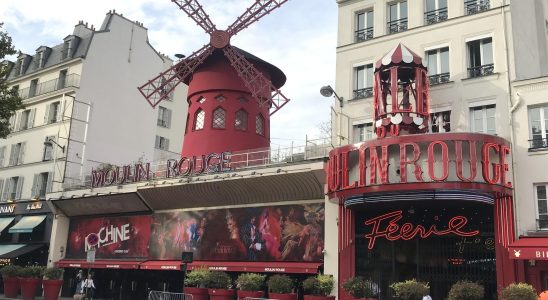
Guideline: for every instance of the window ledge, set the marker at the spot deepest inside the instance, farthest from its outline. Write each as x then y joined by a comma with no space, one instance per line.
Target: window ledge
442,84
473,79
537,151
358,99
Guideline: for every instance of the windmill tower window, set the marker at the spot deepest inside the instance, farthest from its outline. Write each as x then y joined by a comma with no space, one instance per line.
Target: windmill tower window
240,121
199,120
220,98
219,118
201,100
259,125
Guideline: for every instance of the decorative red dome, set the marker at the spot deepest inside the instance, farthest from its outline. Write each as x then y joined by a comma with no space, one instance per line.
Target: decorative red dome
400,55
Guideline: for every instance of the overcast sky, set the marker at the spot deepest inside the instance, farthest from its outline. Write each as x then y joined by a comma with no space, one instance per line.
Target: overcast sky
299,38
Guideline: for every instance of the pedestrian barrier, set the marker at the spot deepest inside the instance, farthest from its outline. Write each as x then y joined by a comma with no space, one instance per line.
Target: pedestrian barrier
160,295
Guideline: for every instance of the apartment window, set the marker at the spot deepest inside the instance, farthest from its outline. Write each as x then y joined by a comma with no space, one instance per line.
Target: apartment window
17,153
161,143
436,11
219,118
363,81
41,185
259,125
61,83
483,119
53,113
26,119
364,26
363,132
2,156
33,88
475,6
397,17
164,117
438,65
48,148
240,120
538,124
66,49
12,188
480,57
199,120
542,202
440,122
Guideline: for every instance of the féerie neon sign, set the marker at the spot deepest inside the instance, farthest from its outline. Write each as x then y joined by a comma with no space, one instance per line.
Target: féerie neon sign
387,226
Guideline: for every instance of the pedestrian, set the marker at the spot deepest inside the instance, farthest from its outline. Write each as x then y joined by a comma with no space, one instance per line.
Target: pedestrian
88,288
427,297
79,278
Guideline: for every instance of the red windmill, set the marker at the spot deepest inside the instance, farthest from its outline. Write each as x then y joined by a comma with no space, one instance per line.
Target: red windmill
230,96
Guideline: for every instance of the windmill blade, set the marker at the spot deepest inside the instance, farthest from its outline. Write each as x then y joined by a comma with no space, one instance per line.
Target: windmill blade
253,14
195,11
162,86
260,87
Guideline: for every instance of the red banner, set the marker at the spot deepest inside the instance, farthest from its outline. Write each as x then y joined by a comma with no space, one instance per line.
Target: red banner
112,237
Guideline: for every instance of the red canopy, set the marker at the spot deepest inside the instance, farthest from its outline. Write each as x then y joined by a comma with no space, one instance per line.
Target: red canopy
99,264
529,248
237,266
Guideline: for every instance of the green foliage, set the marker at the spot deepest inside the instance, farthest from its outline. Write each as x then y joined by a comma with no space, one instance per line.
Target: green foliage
218,280
466,290
358,287
10,271
9,97
197,278
32,272
54,273
280,284
250,282
320,285
519,291
410,289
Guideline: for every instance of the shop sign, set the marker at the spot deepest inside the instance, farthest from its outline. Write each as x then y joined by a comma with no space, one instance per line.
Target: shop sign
387,226
185,166
476,158
218,268
7,209
107,235
34,206
529,253
274,269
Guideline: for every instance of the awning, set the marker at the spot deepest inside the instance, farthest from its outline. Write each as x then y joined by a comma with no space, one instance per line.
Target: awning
4,249
237,266
27,224
20,250
5,222
529,248
99,264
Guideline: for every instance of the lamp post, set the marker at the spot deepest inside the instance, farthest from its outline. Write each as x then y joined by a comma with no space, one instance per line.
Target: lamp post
49,142
328,91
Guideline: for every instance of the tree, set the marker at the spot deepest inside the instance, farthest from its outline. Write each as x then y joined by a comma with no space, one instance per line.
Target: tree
9,97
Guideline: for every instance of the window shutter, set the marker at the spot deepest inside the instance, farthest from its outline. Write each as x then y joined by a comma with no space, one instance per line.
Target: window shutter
168,118
6,190
19,187
35,185
12,155
157,143
17,121
60,111
49,185
1,188
30,121
166,144
46,115
12,122
2,155
21,154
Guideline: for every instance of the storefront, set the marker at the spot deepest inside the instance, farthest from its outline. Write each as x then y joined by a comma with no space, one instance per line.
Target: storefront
531,256
275,224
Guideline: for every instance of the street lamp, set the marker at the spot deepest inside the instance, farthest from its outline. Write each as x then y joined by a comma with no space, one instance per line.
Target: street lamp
49,142
328,91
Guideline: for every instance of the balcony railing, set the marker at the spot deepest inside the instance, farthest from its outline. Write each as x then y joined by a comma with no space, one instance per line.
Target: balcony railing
538,143
397,26
474,6
435,16
363,93
439,78
72,80
364,34
482,70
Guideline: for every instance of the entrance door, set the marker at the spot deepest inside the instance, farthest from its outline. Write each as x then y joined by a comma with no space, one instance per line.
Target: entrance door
544,281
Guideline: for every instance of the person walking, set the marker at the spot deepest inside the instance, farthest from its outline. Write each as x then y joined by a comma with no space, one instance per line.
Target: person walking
88,287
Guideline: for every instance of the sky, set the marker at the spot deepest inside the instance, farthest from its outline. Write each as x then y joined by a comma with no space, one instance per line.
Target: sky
299,37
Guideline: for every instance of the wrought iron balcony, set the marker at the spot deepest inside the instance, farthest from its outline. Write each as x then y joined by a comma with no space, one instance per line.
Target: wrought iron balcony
72,80
474,6
363,93
435,16
397,26
538,143
482,70
439,78
363,34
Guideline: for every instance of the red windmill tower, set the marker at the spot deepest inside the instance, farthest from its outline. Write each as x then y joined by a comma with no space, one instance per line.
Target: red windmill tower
231,92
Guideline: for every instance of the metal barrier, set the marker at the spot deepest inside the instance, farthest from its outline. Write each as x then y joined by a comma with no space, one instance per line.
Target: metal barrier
160,295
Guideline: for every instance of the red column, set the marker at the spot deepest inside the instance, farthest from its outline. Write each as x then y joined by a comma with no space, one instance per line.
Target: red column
507,269
347,249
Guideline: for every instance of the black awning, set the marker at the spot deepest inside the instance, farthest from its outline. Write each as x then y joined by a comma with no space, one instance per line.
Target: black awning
22,250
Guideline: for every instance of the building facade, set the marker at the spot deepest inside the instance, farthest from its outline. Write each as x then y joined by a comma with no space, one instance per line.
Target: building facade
77,97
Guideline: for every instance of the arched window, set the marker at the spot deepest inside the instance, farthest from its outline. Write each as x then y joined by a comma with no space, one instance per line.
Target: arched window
259,124
219,118
240,121
199,119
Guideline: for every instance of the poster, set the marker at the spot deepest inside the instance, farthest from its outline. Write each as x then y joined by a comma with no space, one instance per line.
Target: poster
272,233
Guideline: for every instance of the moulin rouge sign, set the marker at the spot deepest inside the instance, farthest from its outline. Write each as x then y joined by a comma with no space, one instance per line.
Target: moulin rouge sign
448,160
185,166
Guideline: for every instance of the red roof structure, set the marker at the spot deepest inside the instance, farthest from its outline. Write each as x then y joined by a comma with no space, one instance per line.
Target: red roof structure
399,55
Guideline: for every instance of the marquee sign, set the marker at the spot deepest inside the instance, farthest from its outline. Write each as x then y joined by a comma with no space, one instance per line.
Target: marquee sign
450,160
